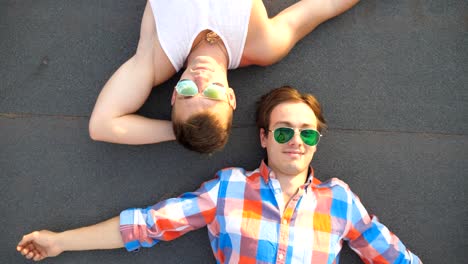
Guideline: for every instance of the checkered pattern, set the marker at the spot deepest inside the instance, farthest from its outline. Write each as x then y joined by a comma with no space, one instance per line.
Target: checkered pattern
249,222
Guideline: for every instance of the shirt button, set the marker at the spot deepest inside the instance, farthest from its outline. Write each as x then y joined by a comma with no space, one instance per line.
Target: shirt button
280,256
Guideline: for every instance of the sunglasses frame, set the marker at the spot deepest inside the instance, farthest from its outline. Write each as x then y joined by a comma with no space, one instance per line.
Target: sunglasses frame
300,134
203,92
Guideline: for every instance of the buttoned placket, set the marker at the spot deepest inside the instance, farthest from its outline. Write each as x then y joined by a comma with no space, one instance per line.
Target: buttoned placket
285,225
286,215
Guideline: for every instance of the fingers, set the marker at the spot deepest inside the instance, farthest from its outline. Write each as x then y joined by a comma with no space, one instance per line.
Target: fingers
24,240
27,238
34,256
27,248
30,252
26,251
38,257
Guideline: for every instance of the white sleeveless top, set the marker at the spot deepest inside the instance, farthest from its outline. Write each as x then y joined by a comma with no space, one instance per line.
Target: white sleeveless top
178,23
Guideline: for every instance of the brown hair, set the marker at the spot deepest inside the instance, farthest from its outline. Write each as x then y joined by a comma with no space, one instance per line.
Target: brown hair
269,101
202,132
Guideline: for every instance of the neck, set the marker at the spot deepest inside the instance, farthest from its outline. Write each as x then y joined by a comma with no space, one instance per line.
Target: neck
290,183
210,45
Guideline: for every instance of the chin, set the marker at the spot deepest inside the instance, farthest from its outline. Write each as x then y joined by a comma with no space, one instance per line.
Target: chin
294,169
204,59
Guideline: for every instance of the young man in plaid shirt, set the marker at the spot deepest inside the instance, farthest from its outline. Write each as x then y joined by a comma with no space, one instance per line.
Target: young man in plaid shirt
278,213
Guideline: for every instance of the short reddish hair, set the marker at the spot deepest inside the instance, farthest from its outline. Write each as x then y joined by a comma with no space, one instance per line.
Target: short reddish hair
203,132
269,101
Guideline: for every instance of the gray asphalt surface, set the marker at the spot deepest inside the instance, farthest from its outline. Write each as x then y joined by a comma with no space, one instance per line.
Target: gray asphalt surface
391,76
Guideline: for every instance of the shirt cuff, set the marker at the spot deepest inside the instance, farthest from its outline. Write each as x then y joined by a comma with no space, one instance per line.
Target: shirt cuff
132,230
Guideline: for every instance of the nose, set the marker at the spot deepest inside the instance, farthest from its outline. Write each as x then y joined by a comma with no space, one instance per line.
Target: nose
296,139
201,80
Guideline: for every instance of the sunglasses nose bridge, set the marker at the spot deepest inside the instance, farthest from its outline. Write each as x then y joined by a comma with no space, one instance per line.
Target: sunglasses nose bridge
296,136
202,82
198,84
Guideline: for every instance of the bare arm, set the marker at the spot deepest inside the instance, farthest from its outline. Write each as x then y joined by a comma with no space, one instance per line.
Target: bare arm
113,117
304,16
42,244
270,39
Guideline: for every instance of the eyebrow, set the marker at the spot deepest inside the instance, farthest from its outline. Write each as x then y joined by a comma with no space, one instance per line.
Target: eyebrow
288,124
211,102
184,97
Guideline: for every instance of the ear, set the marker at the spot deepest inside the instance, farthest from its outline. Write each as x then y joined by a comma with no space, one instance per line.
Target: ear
231,98
174,94
263,138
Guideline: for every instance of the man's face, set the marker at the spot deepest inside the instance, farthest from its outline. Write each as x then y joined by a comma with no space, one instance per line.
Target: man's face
203,71
294,156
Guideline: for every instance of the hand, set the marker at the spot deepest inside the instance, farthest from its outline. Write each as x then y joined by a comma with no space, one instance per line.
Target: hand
39,245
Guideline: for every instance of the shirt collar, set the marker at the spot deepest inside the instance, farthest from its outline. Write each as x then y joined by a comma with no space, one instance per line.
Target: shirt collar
266,173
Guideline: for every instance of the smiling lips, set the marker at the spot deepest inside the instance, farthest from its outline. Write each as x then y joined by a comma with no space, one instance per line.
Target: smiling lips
293,152
201,68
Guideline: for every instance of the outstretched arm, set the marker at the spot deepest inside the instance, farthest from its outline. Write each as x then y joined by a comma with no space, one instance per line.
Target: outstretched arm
272,38
372,240
304,16
113,117
39,245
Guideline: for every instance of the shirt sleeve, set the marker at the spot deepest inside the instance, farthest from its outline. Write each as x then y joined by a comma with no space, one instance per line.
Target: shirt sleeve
372,240
169,219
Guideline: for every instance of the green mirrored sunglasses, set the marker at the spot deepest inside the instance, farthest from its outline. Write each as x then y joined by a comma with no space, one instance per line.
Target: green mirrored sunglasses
213,91
309,136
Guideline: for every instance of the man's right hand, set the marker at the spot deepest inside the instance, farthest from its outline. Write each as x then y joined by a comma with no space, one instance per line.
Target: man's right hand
39,245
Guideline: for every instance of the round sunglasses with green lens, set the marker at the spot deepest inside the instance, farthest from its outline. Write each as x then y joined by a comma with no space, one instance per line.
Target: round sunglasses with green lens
215,91
212,91
309,136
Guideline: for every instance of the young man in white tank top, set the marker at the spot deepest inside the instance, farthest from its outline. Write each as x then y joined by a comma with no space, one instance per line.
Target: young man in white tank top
207,45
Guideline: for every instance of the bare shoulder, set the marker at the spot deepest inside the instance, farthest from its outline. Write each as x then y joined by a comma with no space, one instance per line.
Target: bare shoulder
263,46
258,27
270,39
149,50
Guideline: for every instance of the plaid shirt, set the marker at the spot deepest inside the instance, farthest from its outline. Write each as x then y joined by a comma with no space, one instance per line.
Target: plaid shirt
249,222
